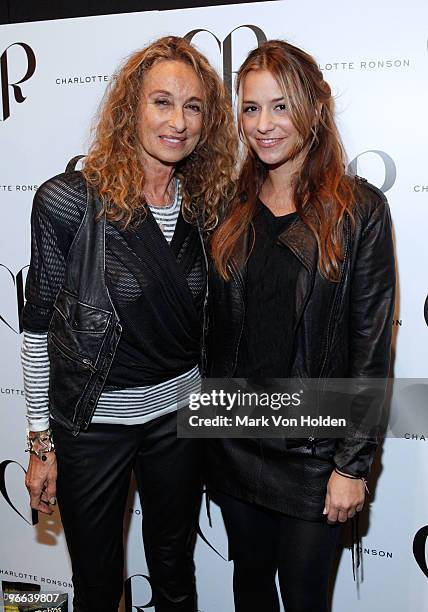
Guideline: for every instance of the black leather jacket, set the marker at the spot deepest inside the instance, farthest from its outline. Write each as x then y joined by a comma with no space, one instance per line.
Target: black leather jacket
343,329
84,330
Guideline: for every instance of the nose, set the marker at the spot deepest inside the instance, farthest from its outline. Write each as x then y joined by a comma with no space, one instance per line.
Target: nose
265,123
177,119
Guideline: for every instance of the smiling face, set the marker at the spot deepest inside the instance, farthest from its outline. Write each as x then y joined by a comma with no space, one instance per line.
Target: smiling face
266,122
170,113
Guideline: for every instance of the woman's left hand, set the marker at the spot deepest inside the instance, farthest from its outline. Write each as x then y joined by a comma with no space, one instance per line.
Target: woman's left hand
345,496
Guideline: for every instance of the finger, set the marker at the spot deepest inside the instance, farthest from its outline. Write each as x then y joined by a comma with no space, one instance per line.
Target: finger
50,501
44,507
51,491
43,503
332,515
36,492
34,501
327,504
342,516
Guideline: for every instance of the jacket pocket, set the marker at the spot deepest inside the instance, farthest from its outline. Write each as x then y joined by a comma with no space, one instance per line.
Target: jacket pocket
80,317
69,354
68,378
78,330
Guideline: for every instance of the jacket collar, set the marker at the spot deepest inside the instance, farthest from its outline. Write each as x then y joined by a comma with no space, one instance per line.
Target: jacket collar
297,237
301,241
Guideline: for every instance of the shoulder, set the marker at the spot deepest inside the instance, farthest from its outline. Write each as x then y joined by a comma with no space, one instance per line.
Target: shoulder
62,197
371,204
71,184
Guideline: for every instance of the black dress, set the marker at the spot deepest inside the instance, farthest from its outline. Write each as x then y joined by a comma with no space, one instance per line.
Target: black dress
266,471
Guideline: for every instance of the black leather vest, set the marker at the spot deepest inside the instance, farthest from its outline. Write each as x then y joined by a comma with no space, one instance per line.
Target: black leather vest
85,330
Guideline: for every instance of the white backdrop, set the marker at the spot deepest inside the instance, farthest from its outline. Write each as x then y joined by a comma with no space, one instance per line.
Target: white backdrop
375,57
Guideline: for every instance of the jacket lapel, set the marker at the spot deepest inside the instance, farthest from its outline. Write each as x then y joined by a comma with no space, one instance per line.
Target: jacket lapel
302,243
239,260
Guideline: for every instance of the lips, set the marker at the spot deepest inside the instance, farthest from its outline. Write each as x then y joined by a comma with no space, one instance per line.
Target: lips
268,143
173,141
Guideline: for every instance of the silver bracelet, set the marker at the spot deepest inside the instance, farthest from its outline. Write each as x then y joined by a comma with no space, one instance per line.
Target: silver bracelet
40,443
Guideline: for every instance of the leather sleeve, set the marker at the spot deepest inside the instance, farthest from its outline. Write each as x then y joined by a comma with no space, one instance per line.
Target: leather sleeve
58,208
371,312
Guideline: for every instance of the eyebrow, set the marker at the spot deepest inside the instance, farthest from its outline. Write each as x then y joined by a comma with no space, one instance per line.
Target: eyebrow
165,92
274,100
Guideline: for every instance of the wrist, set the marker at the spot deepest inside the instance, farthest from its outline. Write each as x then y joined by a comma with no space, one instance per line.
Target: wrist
346,475
40,443
351,477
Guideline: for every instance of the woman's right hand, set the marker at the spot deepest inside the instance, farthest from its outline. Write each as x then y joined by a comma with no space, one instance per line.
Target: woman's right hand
40,481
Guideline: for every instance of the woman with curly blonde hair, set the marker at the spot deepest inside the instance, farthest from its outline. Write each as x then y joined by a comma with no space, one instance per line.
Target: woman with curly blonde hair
116,296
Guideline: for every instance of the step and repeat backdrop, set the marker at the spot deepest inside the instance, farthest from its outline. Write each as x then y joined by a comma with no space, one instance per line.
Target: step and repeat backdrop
375,56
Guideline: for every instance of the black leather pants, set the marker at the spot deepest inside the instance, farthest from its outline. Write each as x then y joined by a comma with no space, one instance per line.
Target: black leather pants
94,470
263,543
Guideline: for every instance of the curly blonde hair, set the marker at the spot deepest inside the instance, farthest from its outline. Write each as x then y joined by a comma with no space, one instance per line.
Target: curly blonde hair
113,165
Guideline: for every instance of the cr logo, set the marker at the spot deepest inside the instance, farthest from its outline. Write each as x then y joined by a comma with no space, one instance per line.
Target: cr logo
4,77
426,310
18,282
129,585
419,543
389,165
225,48
4,492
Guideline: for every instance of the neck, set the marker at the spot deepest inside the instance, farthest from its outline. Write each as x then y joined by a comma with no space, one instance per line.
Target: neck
278,184
157,181
280,177
278,191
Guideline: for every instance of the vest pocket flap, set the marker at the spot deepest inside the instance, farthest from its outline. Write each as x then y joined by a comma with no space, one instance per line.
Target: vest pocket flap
79,316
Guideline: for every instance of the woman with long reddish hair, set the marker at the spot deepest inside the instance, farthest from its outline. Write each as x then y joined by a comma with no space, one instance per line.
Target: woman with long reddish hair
116,296
302,287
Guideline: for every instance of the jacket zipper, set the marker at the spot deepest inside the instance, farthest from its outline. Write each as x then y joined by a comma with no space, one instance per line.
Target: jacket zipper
205,308
116,326
239,281
70,354
334,308
311,439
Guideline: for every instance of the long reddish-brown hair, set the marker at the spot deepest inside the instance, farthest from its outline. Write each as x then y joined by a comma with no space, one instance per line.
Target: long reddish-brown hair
113,164
323,193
